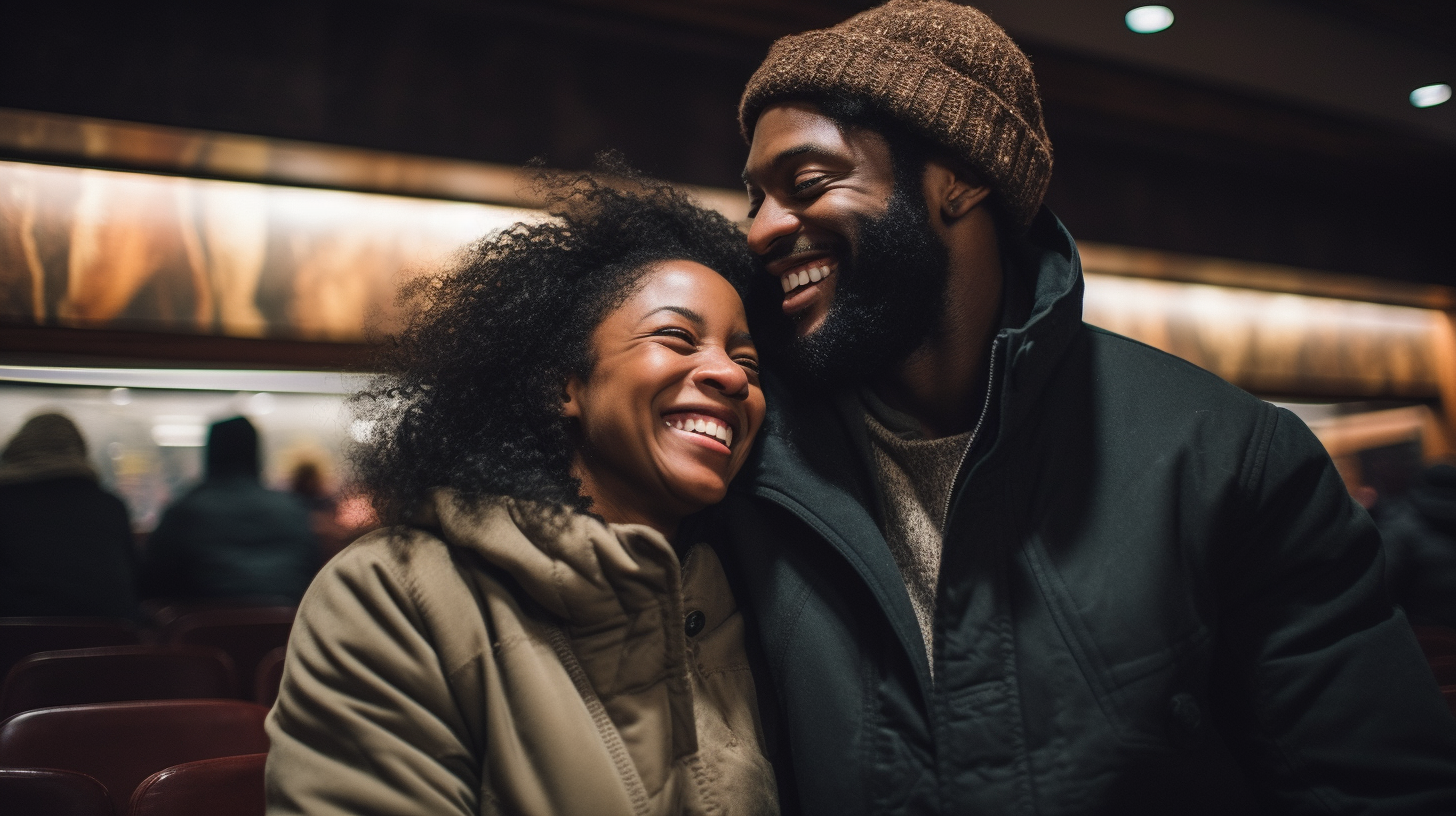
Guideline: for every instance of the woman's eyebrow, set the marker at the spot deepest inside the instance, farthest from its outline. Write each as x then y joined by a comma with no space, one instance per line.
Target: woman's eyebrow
691,315
742,337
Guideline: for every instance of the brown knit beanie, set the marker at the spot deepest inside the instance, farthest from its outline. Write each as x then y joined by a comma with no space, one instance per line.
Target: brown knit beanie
945,70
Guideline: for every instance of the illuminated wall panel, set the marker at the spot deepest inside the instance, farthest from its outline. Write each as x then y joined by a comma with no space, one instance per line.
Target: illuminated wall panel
104,249
1273,343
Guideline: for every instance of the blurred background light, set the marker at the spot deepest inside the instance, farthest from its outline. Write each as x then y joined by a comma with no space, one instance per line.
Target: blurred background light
261,403
1149,19
1430,95
179,432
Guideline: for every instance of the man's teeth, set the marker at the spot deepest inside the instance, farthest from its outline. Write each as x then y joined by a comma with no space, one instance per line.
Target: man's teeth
706,427
813,274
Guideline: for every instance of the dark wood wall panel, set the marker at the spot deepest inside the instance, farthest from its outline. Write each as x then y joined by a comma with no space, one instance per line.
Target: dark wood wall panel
1142,160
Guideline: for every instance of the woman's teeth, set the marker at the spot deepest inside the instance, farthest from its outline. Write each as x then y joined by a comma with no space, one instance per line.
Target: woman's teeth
814,274
706,427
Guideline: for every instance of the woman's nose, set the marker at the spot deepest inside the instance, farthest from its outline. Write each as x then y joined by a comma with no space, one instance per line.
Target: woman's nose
772,223
719,372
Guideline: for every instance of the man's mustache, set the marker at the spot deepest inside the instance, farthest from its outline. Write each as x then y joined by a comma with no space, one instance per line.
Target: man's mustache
799,244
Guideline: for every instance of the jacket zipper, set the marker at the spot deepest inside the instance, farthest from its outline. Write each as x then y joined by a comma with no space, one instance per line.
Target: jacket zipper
975,434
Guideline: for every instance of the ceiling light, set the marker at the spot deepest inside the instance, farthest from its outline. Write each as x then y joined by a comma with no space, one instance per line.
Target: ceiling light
1149,19
1430,95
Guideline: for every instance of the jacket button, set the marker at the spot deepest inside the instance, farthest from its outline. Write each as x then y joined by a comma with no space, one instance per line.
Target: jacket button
693,623
1187,720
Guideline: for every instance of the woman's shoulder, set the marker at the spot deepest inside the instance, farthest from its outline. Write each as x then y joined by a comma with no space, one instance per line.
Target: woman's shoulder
397,566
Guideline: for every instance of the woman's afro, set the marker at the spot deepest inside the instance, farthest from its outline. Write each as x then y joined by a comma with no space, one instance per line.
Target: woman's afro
471,389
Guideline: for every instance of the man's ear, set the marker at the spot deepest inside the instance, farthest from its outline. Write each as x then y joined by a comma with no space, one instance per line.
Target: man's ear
571,398
955,190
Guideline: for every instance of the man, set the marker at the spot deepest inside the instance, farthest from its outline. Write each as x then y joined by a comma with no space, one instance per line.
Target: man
230,537
1000,561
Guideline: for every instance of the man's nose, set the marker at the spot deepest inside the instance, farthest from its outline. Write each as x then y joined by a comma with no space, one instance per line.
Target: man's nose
772,223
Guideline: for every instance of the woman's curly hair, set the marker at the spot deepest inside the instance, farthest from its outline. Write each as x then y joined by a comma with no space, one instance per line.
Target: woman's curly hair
470,393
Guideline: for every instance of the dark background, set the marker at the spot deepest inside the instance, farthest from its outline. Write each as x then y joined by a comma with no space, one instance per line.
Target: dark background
1141,158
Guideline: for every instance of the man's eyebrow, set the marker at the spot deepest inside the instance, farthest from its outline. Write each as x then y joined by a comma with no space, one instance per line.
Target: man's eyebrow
785,155
696,318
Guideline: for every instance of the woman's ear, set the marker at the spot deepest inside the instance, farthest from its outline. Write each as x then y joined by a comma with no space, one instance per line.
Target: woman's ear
571,398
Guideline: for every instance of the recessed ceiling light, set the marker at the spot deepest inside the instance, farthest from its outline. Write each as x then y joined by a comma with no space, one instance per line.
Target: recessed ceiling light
1149,19
1430,95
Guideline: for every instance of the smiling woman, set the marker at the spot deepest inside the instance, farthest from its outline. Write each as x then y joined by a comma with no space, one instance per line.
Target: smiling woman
536,633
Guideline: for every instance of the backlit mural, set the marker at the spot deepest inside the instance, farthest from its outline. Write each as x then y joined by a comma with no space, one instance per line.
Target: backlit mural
103,249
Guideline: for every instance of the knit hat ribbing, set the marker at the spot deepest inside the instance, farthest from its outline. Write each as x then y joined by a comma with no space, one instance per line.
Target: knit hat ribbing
945,70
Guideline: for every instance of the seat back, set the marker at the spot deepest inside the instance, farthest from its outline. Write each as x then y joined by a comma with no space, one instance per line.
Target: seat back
50,792
227,786
246,634
1439,645
269,677
122,744
20,637
115,673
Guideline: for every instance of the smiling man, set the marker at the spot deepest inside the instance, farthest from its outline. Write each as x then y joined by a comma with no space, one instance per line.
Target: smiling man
1003,562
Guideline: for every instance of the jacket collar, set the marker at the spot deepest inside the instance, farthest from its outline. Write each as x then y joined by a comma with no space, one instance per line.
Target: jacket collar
807,461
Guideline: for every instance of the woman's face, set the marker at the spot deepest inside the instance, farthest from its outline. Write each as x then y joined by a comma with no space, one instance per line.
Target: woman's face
673,403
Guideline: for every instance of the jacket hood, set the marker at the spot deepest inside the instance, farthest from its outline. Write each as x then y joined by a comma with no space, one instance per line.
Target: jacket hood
583,571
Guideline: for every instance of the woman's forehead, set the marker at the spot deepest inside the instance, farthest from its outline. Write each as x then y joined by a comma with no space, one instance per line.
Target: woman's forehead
688,286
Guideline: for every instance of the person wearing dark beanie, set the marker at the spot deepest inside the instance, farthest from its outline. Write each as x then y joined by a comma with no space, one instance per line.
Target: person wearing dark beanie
230,537
999,561
232,449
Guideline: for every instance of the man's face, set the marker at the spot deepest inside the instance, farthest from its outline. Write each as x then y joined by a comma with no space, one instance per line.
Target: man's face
851,252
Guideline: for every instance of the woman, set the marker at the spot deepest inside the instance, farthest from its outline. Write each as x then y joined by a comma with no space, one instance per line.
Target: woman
537,634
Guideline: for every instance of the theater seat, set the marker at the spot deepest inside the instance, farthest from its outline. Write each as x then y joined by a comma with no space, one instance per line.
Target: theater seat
115,673
49,792
269,677
228,786
1439,644
121,744
245,634
20,637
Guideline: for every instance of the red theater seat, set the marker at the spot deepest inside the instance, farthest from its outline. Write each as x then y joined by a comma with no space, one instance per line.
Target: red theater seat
49,792
115,673
269,677
245,634
228,786
121,744
1439,644
20,637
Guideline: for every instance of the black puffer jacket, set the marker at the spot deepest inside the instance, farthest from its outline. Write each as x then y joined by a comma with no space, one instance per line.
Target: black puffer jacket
1155,597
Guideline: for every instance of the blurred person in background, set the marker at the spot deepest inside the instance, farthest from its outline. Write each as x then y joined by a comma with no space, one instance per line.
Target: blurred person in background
307,483
66,545
1418,529
230,537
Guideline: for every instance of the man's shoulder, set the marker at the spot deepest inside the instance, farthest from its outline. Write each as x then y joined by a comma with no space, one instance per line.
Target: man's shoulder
1132,365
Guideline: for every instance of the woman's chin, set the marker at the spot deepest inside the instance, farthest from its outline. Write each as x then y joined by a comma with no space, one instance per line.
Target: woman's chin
698,489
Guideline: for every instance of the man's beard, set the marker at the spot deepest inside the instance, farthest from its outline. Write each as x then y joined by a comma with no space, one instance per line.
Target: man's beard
887,302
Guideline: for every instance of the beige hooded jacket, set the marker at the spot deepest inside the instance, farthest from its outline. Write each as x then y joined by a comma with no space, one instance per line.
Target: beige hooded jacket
515,664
